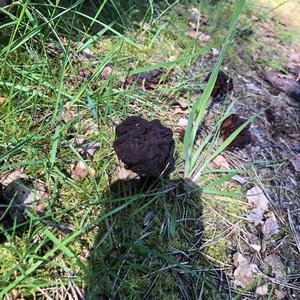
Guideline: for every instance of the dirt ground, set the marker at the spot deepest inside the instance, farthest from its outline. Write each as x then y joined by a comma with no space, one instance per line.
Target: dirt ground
274,154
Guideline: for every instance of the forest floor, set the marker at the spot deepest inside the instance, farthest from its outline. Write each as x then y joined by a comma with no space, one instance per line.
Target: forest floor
90,230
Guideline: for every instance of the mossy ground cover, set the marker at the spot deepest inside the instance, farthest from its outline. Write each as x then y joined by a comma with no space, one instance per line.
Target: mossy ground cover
161,240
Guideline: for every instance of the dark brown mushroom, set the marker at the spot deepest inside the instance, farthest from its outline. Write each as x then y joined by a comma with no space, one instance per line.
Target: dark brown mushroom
223,85
232,123
151,78
145,147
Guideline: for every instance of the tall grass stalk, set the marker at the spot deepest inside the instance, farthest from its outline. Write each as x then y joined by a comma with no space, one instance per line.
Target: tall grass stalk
198,110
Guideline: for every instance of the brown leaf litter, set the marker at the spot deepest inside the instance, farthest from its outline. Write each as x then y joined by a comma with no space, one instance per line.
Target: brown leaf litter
245,271
257,198
88,148
3,100
80,170
283,83
295,160
201,36
221,162
262,290
21,192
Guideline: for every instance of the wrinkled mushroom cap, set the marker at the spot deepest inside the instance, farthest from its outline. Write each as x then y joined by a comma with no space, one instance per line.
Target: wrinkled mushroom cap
229,125
223,85
145,147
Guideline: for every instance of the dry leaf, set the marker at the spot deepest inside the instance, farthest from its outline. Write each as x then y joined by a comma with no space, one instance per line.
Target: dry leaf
215,52
198,35
278,269
239,179
254,243
150,79
262,290
245,271
13,176
193,25
108,71
89,127
279,294
181,132
182,103
270,226
84,74
124,174
180,9
283,83
296,162
148,218
203,37
194,14
68,112
3,100
260,202
79,170
88,149
221,162
178,110
22,194
183,122
88,52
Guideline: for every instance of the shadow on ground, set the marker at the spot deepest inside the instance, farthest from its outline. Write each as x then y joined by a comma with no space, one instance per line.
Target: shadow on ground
152,248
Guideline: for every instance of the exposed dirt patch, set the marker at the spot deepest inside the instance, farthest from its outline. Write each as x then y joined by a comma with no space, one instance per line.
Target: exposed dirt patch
285,11
272,157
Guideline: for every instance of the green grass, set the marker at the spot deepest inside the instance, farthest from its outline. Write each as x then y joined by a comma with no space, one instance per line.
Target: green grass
34,134
109,250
